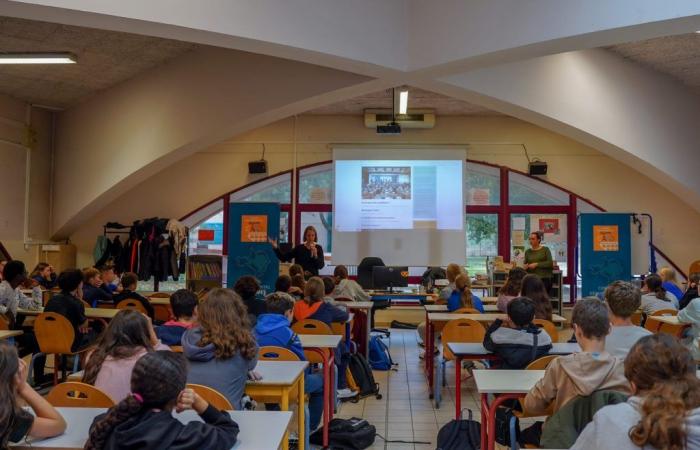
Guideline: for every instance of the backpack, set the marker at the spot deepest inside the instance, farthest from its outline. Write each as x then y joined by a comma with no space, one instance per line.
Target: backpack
363,377
460,435
346,434
379,356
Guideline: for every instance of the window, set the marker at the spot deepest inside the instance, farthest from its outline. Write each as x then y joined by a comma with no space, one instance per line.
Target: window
284,227
555,237
207,238
276,189
483,185
482,241
316,185
523,190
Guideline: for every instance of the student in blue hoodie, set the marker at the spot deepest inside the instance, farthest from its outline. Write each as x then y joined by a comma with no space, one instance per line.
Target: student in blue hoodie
273,329
462,296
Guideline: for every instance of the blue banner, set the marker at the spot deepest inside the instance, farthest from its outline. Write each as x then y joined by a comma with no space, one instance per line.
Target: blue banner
606,251
249,253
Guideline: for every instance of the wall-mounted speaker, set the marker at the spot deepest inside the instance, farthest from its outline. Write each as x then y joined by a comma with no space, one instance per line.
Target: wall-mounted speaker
259,166
537,168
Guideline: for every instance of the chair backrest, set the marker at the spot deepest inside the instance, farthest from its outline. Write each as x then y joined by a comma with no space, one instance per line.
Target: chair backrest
549,327
364,271
664,312
463,331
636,318
339,329
54,333
130,303
4,322
78,395
466,311
311,326
212,396
674,330
273,353
541,363
159,295
176,348
694,267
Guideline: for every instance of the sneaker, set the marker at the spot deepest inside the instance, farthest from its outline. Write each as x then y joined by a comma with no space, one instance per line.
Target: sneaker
345,393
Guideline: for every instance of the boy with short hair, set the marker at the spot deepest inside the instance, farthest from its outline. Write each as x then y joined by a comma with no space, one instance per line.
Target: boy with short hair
94,290
183,304
110,279
623,300
347,288
580,374
517,341
272,329
129,283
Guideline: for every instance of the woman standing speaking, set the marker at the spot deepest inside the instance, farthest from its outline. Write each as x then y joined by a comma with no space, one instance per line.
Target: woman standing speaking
538,259
308,255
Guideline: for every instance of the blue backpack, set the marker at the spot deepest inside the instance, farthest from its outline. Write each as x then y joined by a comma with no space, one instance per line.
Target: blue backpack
379,356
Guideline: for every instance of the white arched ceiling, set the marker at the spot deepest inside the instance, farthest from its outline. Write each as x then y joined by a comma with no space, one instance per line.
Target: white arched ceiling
492,53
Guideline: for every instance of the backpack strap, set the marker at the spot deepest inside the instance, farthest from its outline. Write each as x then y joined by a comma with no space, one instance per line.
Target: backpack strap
533,354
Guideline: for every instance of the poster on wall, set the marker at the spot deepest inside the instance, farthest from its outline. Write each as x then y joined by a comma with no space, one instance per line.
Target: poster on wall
253,228
606,238
549,226
479,197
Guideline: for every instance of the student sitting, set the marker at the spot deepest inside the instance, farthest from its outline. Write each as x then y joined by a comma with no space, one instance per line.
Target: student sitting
691,315
17,423
273,329
247,286
664,410
183,304
533,288
691,292
462,296
313,307
127,338
296,269
44,274
129,282
328,288
655,297
94,290
298,284
511,288
669,282
623,300
517,341
453,271
346,287
144,419
67,304
580,374
110,279
222,348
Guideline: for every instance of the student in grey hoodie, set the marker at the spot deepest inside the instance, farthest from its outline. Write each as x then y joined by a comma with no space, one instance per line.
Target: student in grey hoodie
222,349
664,411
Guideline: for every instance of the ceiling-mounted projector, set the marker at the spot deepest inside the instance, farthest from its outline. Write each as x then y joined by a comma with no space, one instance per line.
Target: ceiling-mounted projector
390,128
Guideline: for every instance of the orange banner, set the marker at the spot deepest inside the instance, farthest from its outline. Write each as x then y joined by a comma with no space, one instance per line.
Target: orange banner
606,238
253,228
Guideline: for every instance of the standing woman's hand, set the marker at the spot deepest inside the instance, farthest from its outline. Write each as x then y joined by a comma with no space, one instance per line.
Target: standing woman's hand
273,242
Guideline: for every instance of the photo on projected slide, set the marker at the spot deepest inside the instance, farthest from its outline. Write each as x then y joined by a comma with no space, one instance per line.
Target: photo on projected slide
386,183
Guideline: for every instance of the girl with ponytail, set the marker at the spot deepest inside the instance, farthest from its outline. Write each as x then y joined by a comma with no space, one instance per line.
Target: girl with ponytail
144,418
664,411
462,296
16,423
655,297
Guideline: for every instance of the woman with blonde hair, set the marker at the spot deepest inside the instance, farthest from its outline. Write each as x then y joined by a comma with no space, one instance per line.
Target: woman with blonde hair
669,282
222,349
462,296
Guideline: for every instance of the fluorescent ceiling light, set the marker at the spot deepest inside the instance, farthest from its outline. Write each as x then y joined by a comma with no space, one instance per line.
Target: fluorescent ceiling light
37,58
403,102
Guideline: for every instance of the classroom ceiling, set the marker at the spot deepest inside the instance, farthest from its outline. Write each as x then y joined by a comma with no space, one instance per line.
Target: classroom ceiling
105,58
677,56
417,99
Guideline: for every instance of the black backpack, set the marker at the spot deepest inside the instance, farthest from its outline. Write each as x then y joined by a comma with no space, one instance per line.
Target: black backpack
460,435
363,376
346,434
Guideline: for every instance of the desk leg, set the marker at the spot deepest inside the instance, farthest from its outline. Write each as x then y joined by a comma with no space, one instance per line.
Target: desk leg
327,358
284,406
301,416
458,386
484,419
429,353
347,336
498,401
368,327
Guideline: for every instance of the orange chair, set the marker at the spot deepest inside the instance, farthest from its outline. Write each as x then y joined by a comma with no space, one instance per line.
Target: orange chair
176,348
273,353
55,335
161,312
456,330
130,303
311,326
654,325
636,318
466,311
549,327
79,395
212,396
541,363
694,267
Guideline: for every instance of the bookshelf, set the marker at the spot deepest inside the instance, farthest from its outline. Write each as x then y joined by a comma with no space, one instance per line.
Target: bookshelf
204,271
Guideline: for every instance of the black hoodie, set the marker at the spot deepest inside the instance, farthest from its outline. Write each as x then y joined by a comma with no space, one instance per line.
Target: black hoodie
160,430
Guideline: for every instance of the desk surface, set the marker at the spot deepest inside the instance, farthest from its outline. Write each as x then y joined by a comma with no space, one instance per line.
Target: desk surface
445,317
489,308
91,313
4,334
259,429
506,381
278,372
489,299
320,340
358,305
159,301
462,349
672,320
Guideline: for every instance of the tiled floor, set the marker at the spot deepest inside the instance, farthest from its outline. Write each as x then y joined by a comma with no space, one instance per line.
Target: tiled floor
405,413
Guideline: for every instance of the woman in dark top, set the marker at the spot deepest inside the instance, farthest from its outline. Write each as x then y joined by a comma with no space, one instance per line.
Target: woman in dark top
308,255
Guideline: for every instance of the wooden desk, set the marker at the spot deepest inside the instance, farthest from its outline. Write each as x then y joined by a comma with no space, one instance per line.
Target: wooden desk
478,352
90,313
671,320
259,429
324,346
503,385
489,300
489,308
280,380
6,334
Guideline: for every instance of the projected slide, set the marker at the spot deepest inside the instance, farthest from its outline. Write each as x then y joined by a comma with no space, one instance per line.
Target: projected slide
398,195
